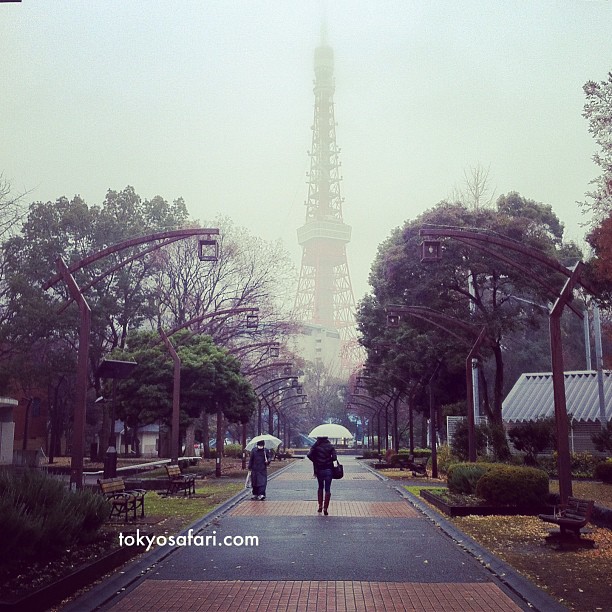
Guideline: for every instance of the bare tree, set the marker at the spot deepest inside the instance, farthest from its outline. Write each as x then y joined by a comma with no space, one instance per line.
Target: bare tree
250,272
477,192
12,209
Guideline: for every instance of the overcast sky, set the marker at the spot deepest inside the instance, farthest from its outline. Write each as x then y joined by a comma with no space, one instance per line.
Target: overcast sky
212,101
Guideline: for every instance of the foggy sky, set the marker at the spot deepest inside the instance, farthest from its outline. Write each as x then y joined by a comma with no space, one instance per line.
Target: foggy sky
212,101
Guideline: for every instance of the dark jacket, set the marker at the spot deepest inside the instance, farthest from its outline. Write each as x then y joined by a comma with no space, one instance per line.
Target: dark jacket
322,454
258,462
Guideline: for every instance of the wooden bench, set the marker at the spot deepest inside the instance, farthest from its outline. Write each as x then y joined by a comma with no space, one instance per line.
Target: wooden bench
572,516
122,502
401,461
281,456
179,482
417,465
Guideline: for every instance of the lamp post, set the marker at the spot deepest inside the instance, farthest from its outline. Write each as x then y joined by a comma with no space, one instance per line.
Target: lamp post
284,402
207,250
268,399
392,398
432,316
251,321
273,351
481,241
358,400
261,396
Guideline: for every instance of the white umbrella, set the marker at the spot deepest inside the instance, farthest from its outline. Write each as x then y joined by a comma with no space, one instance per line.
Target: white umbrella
271,442
331,430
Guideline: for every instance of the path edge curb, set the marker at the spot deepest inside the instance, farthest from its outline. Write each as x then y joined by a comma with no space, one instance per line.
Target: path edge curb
103,593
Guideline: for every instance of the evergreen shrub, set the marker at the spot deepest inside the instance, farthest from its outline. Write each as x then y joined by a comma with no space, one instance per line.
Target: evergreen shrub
514,486
38,514
462,478
603,471
232,450
445,458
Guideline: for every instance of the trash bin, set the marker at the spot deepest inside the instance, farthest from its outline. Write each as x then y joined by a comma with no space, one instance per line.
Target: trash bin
110,463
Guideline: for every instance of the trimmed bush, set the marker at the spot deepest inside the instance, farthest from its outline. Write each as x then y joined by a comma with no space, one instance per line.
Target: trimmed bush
603,471
445,458
232,450
514,486
462,478
583,464
38,513
533,438
422,452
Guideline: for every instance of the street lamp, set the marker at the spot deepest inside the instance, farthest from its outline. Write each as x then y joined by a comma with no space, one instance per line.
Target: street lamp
176,387
65,273
431,251
392,397
434,317
208,249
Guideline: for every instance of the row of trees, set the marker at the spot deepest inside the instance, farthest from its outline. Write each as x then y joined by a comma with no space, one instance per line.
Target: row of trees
466,285
167,288
598,112
504,293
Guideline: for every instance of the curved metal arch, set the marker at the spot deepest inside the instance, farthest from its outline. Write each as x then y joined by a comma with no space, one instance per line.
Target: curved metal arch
274,380
120,246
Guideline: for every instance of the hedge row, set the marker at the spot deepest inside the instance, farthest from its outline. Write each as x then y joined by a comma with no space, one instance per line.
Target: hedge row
500,484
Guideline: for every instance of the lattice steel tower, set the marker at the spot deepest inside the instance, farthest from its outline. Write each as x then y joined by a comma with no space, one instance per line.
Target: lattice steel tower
325,295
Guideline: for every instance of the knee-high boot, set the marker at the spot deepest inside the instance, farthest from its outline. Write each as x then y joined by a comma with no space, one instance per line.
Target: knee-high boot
320,496
326,504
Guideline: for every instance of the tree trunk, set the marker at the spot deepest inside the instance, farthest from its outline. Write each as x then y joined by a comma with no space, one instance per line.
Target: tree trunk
206,434
190,440
24,444
259,417
244,438
411,422
104,435
498,434
270,419
423,430
220,441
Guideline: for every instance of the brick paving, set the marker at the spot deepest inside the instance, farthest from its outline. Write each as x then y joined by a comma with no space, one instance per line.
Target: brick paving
322,596
388,556
338,508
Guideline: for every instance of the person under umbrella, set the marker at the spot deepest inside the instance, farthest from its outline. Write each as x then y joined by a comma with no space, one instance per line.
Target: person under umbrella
258,464
323,454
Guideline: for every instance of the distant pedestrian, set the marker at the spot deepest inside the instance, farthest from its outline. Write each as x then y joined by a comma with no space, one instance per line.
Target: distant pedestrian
258,464
323,454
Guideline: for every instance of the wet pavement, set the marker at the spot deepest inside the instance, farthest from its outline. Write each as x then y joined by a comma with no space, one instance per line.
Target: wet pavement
379,549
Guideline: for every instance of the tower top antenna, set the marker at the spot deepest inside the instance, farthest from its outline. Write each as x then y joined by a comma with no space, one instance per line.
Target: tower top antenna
323,31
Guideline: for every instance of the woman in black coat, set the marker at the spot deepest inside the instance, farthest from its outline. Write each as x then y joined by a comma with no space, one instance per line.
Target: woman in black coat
258,464
323,454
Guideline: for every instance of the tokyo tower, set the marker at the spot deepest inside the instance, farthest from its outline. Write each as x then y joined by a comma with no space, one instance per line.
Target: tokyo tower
325,294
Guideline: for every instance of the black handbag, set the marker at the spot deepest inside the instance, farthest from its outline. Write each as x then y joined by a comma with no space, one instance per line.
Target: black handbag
337,471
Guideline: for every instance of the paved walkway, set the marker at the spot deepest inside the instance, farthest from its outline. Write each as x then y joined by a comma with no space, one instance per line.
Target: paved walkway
375,551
